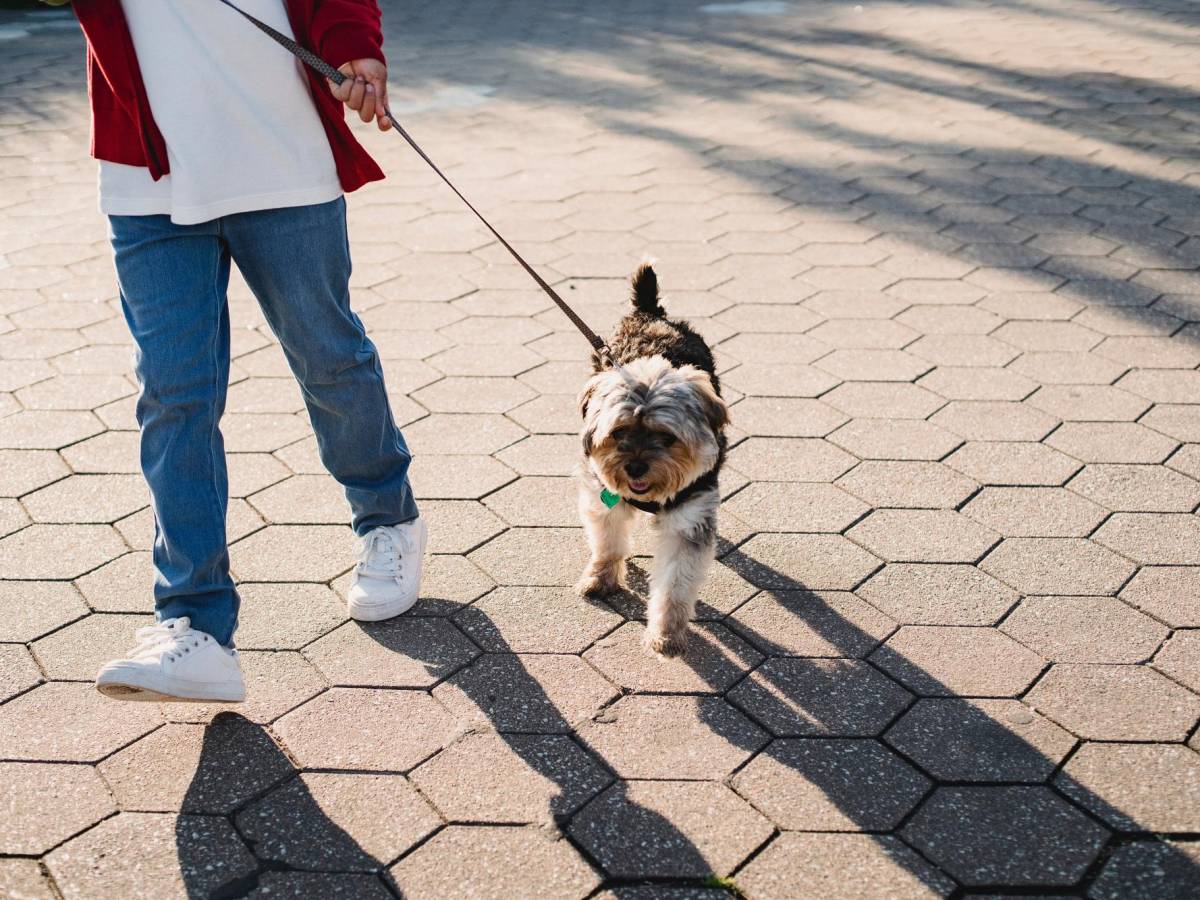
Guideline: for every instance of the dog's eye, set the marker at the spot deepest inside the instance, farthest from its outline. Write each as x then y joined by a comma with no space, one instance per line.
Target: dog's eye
619,434
669,439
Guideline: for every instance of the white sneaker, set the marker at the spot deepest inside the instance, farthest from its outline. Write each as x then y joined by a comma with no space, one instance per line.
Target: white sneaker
173,661
387,579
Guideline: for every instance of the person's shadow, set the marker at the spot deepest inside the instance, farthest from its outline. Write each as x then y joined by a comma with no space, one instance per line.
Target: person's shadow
279,842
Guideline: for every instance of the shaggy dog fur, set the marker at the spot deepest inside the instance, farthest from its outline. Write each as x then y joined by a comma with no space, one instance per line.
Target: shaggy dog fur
653,435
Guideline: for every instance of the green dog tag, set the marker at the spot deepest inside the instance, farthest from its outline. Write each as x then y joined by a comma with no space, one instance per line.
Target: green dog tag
608,498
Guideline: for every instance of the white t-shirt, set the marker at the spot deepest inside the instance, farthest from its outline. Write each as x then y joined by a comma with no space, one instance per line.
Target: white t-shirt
241,128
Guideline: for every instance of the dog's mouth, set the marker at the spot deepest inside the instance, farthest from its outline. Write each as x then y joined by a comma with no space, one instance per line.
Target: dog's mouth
639,485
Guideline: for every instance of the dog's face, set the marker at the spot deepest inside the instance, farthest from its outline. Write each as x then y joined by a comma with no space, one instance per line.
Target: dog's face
654,432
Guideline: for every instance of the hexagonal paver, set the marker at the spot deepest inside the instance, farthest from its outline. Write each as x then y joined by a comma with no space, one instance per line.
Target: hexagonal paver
676,829
994,420
1127,488
404,652
978,383
795,866
123,585
786,417
1177,421
286,616
1115,703
533,693
276,681
802,623
1084,629
1148,870
303,499
938,594
1057,566
943,660
980,740
329,821
1112,442
78,651
18,671
22,471
907,484
796,507
293,553
1168,593
541,454
536,620
869,399
518,778
469,861
44,804
366,719
68,722
456,433
463,477
1180,658
534,556
716,659
1089,403
895,439
1034,512
23,878
459,526
58,551
537,501
923,535
813,561
789,459
1161,539
820,697
1136,787
1013,463
1005,835
831,785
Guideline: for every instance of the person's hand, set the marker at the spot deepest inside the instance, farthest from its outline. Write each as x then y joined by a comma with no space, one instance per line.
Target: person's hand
365,90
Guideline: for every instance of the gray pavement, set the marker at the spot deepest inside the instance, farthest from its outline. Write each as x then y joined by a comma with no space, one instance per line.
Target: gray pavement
948,255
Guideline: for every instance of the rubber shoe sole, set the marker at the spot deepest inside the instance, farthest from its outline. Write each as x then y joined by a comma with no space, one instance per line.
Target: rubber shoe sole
142,686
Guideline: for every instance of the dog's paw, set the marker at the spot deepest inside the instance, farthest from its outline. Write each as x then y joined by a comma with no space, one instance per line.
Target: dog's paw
597,587
668,644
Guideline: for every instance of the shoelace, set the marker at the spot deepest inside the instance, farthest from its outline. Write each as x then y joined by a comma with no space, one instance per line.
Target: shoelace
153,638
380,555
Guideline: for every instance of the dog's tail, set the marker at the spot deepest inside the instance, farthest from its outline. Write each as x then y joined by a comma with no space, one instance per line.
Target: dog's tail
645,291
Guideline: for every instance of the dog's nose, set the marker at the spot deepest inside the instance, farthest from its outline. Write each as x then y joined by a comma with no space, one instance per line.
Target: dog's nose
636,468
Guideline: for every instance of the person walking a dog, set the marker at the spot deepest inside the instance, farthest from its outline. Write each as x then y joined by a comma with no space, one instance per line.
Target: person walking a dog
215,148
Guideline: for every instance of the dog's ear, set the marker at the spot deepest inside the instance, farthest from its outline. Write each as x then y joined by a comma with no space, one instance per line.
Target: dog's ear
585,397
714,408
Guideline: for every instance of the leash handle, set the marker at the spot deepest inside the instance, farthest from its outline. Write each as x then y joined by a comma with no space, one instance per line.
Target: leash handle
319,65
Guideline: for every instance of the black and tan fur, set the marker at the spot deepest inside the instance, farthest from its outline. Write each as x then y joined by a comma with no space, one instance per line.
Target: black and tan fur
653,433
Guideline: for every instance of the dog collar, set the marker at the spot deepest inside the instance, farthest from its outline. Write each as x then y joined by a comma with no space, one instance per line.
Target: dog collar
705,482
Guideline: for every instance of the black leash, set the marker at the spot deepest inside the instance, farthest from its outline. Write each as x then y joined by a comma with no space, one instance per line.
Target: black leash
315,62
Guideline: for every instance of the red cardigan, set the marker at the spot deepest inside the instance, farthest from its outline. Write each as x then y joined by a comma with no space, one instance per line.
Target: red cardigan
123,128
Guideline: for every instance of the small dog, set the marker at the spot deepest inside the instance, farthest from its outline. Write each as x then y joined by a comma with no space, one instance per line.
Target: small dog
653,441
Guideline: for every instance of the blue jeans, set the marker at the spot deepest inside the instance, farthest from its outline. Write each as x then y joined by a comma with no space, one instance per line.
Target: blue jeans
173,281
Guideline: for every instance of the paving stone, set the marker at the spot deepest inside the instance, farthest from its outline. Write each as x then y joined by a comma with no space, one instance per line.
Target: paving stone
788,459
151,854
293,553
801,623
672,737
831,785
1186,460
535,620
519,779
532,693
22,879
469,861
534,556
716,659
18,671
58,551
1088,403
941,660
123,585
1179,658
542,454
938,594
778,380
978,383
1128,488
1124,784
47,429
329,821
276,681
286,616
64,722
76,652
1162,386
854,866
548,414
819,697
785,417
211,769
796,507
457,477
303,499
366,719
900,439
815,562
1085,630
448,583
1003,463
992,420
923,535
458,526
22,471
35,608
1153,538
1016,835
1170,594
907,484
1059,367
1151,352
869,399
1111,442
537,501
1148,870
457,433
1034,512
874,365
404,652
44,804
980,740
319,886
1057,566
675,829
962,350
1115,703
1176,420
